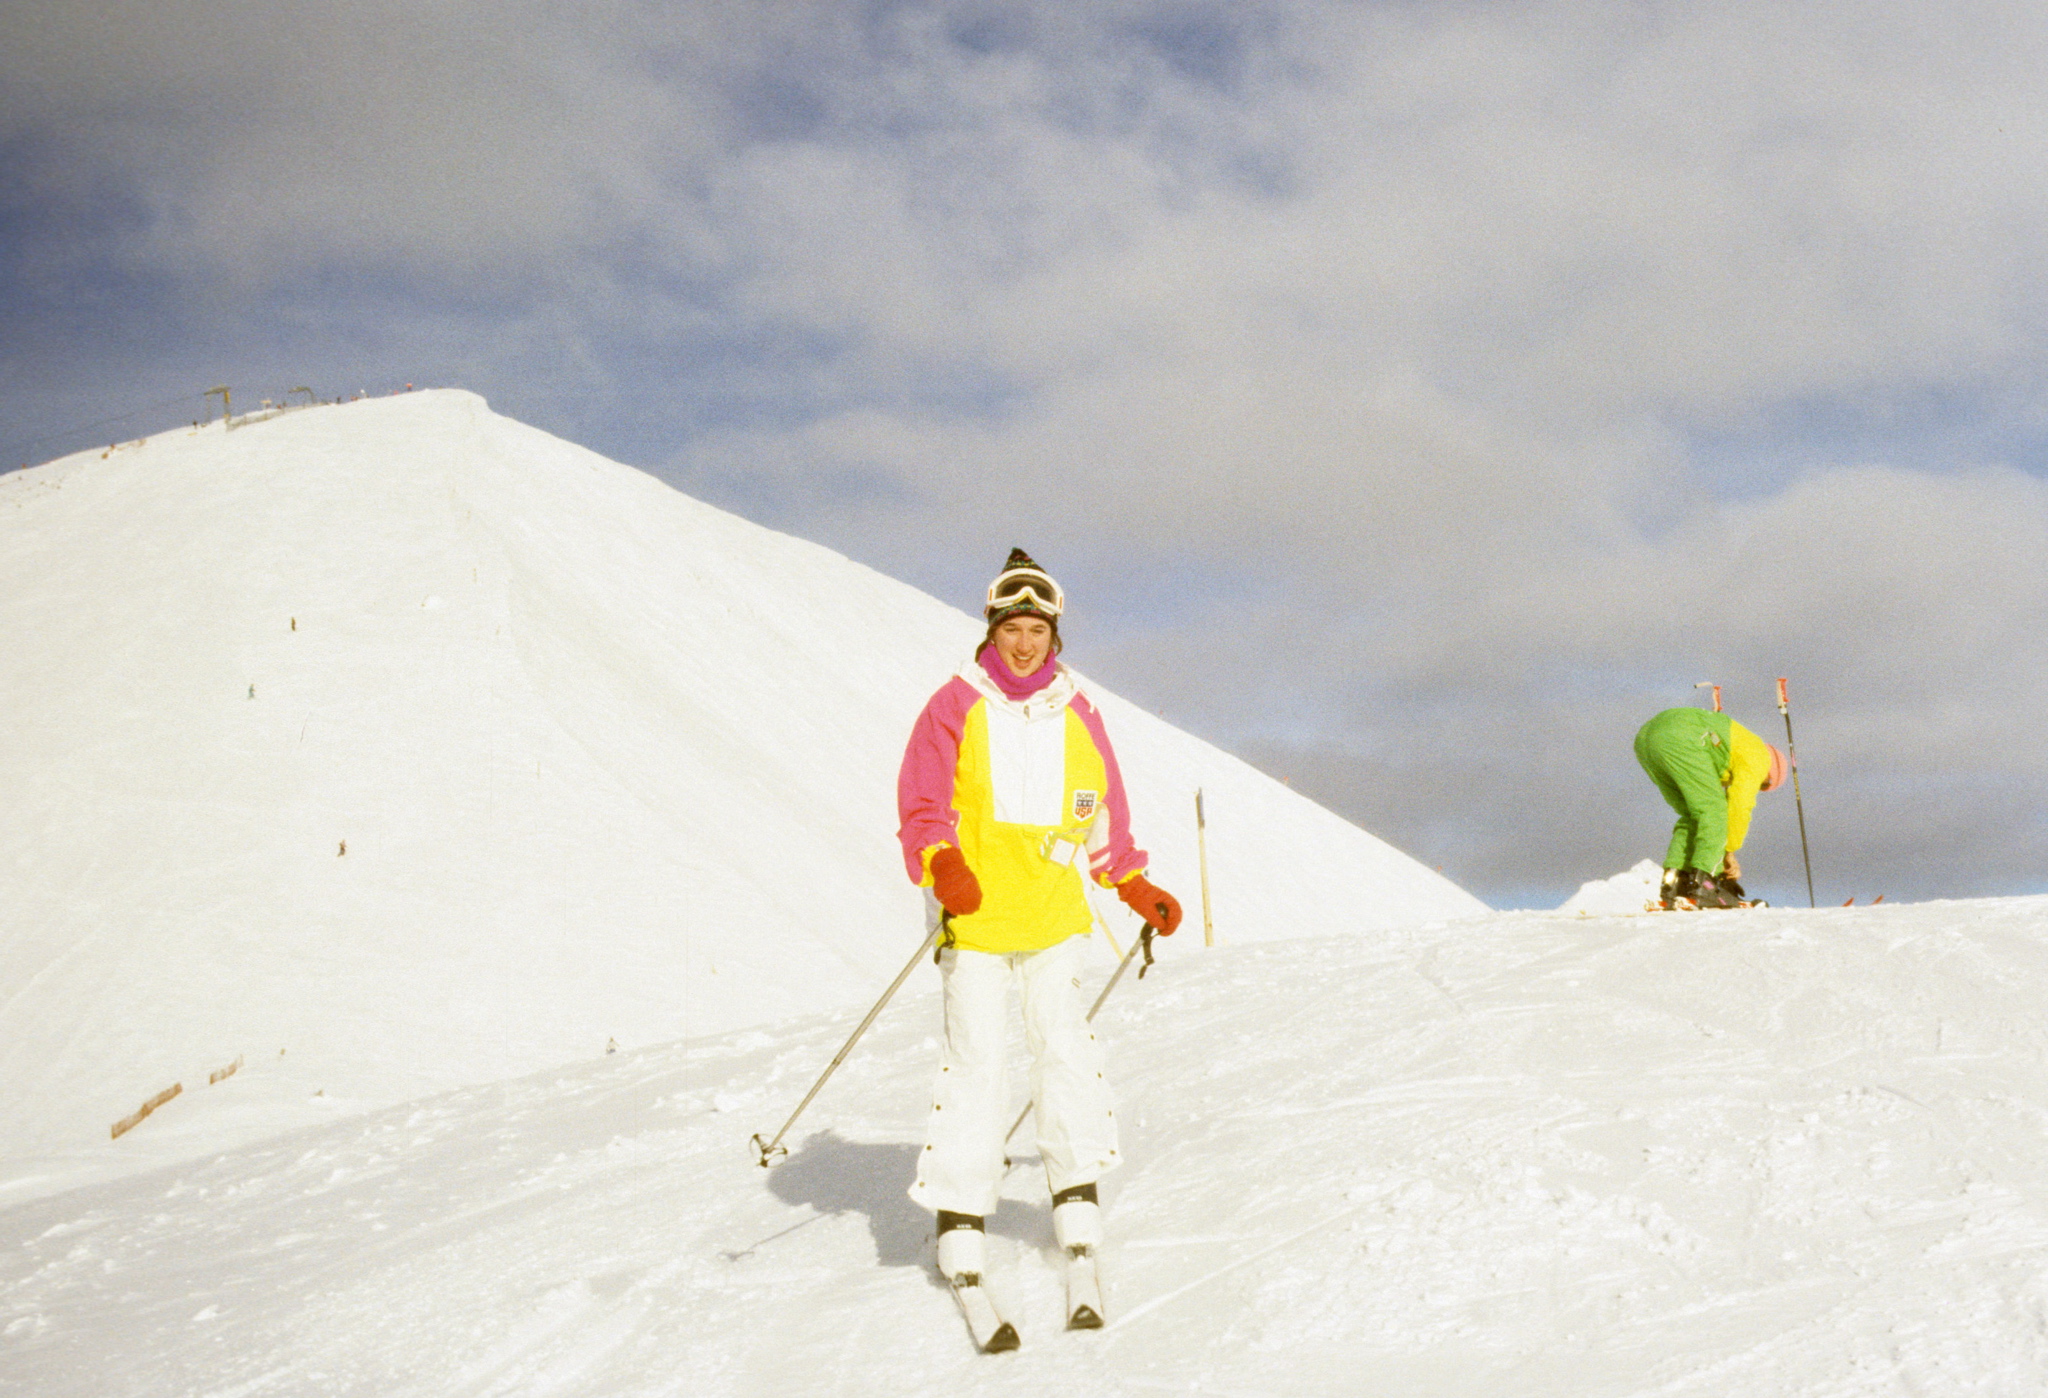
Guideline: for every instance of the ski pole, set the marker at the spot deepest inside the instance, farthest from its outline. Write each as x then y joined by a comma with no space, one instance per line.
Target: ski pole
1792,756
774,1148
1143,943
1107,935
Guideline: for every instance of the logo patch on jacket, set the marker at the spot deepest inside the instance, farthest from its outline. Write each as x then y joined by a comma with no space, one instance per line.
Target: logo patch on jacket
1084,805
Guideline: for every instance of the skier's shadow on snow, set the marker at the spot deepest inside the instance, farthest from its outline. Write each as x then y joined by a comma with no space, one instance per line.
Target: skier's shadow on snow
836,1176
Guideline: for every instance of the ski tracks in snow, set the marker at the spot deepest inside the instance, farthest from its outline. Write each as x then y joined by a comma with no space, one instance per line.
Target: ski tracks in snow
1663,1161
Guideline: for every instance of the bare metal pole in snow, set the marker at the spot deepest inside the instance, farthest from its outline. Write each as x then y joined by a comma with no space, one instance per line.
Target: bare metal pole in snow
774,1148
1144,943
1792,756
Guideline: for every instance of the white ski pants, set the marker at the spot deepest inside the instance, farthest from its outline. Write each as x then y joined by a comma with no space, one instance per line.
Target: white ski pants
961,1166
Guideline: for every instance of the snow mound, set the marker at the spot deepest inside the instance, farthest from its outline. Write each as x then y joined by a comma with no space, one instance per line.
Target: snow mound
1783,1153
1626,892
393,746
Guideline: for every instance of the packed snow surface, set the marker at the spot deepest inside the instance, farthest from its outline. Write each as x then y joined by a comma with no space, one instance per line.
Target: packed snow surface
1772,1152
406,759
393,746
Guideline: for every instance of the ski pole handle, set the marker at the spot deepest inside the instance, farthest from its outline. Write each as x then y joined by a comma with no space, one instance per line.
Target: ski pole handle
1784,707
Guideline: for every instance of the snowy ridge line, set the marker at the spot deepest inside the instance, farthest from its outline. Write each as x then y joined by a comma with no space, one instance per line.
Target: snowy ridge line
30,445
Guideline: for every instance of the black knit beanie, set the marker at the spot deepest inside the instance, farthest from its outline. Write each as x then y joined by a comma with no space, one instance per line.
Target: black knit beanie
1020,572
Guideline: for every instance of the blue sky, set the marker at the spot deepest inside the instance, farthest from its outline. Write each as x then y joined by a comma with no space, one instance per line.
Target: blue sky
1413,397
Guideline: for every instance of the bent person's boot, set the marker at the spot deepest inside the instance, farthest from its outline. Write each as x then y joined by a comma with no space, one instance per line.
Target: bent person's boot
1685,889
1708,894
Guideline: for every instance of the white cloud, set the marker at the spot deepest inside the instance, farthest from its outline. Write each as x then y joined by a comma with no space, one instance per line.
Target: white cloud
1384,356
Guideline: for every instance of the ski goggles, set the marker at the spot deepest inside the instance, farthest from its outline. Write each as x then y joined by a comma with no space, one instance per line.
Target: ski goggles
1026,587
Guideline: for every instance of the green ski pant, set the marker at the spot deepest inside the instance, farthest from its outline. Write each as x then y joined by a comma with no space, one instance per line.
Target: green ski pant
1672,751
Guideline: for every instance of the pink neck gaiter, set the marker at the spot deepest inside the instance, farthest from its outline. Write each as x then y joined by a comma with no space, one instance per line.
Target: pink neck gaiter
1016,686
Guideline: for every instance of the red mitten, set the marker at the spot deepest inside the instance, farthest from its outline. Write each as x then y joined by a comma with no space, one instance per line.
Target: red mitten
1151,902
959,892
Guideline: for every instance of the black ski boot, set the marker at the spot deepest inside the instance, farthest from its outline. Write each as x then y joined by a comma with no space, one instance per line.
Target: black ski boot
1708,894
1667,891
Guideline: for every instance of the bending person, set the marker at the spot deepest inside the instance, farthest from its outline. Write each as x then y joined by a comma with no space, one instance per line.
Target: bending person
1710,769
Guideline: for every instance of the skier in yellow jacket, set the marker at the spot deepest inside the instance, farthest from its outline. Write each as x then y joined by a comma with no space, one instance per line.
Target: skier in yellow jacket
1710,769
1009,798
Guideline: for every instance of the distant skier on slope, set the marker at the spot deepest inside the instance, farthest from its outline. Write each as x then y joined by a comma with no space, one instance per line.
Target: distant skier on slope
1010,797
1710,769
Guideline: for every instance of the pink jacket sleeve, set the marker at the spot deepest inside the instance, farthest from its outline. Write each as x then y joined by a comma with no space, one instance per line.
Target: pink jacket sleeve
1112,855
924,784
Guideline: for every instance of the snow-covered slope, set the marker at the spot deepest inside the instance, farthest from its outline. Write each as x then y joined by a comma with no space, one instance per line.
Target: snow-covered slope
1769,1153
393,746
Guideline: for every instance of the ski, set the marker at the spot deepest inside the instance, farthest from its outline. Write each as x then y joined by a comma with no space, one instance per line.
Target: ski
992,1334
1084,1290
1686,905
